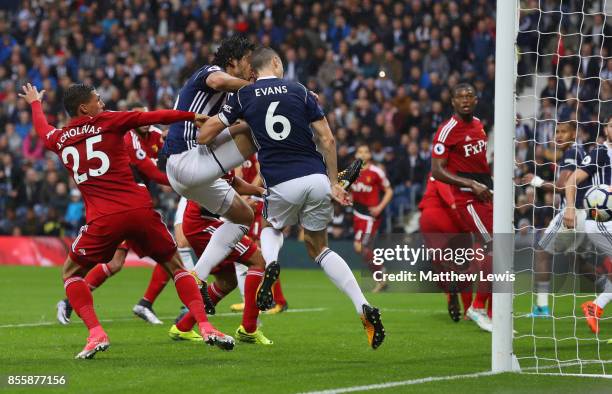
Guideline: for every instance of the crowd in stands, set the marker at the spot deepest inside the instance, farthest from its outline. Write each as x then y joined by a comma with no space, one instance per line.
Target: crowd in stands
382,69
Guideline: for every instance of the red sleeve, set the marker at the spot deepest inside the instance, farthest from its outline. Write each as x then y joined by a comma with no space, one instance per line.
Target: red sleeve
445,192
39,120
124,121
149,170
442,140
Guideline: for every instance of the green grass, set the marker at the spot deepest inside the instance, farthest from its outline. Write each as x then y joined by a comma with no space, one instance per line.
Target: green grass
313,350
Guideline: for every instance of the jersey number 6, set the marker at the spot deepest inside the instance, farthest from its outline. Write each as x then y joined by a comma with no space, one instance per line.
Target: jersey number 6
272,119
91,154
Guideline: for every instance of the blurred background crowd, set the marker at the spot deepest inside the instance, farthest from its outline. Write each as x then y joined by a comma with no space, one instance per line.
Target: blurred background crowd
383,70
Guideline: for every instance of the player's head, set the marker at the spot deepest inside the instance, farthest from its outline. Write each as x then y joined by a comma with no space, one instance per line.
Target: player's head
81,99
463,99
363,153
234,56
139,107
266,61
565,133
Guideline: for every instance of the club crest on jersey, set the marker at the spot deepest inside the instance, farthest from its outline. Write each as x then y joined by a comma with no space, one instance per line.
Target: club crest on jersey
474,149
439,148
586,160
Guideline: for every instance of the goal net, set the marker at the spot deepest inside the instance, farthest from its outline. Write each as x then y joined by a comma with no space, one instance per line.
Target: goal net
563,75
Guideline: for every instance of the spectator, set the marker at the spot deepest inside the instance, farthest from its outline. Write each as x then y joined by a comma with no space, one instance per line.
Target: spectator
33,149
74,211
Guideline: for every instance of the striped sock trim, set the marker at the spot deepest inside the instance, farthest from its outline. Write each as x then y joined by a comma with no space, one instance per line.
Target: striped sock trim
244,229
322,255
71,280
181,274
255,273
216,291
107,270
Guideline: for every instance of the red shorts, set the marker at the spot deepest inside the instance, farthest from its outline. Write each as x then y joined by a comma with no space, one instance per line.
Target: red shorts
142,228
436,220
198,233
365,227
255,230
477,217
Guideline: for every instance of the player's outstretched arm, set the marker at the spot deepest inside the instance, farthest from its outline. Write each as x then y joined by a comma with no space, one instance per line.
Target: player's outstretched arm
438,170
33,97
224,82
326,144
210,130
577,177
124,121
246,189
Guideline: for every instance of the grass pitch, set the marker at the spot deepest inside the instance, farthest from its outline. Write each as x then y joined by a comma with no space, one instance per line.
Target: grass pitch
318,346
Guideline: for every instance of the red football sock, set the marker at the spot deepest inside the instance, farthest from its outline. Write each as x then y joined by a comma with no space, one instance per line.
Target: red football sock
490,305
158,281
80,298
189,294
98,275
187,322
214,293
277,291
250,313
480,301
466,298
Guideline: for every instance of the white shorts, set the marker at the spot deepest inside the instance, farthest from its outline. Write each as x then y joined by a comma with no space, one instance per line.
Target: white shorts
559,239
600,233
180,211
305,200
195,173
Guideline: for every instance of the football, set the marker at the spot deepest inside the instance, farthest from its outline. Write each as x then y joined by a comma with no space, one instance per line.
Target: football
598,202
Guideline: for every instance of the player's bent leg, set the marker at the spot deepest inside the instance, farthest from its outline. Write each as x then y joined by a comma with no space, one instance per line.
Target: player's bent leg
338,271
80,298
542,285
280,303
241,271
144,308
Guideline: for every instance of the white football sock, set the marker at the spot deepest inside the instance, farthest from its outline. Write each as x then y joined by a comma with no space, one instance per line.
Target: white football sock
219,247
542,290
271,244
241,272
187,258
606,296
339,272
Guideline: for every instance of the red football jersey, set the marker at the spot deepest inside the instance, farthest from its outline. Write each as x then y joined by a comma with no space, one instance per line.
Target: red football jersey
94,152
437,195
367,188
249,169
464,145
143,152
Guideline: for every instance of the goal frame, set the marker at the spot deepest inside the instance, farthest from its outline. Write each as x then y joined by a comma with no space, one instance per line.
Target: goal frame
502,354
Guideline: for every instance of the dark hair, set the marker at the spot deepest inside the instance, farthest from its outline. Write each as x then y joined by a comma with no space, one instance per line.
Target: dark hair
75,95
234,47
461,86
135,104
570,122
262,57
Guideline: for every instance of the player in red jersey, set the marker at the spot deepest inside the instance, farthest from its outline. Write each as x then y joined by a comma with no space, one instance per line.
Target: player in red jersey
459,158
198,226
116,208
143,144
368,206
249,172
439,222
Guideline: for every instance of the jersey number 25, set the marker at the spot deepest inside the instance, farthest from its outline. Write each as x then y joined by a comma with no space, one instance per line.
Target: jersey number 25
91,154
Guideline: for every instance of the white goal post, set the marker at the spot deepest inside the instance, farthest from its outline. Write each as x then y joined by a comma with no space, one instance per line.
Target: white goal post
502,357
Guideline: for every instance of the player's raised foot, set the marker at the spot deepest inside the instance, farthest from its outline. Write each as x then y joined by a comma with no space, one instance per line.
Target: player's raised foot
453,307
373,326
350,174
592,312
214,337
265,298
95,344
480,317
237,307
64,311
256,337
540,311
209,305
144,310
179,335
277,308
379,287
